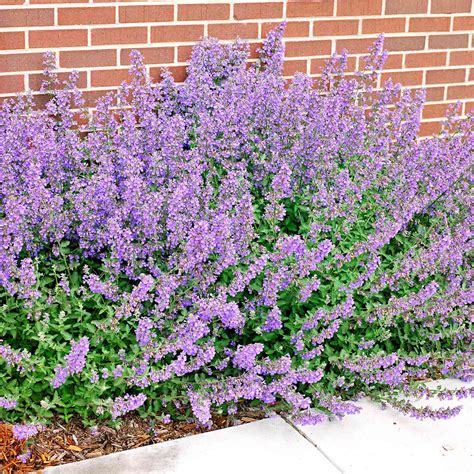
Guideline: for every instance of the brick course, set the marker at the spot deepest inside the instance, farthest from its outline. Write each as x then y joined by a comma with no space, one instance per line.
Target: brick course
430,41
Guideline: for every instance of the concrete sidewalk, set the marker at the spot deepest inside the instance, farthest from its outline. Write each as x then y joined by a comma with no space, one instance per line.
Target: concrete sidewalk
375,441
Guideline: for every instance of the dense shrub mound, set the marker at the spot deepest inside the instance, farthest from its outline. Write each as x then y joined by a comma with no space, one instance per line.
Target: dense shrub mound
236,238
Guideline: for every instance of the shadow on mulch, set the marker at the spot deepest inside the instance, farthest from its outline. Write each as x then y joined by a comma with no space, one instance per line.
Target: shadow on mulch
61,443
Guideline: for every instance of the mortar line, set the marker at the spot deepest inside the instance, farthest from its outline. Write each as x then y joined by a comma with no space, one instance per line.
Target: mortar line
307,438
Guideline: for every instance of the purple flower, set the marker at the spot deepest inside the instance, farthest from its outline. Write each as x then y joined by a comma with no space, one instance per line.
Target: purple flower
76,359
122,405
201,407
75,362
244,356
273,321
143,333
26,431
7,403
24,457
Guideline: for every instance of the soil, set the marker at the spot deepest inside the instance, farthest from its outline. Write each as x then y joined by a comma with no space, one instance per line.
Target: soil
62,443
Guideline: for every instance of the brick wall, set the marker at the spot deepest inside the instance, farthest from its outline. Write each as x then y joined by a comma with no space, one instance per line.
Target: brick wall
431,42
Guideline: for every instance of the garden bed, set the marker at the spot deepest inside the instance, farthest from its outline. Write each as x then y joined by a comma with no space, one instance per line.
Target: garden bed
62,442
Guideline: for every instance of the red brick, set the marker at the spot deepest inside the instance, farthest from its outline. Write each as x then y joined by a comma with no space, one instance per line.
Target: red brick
146,13
459,58
291,67
355,45
233,30
57,38
461,92
335,27
35,80
12,2
425,60
471,74
178,33
21,62
12,84
469,107
57,1
81,120
203,11
430,128
450,6
294,29
114,36
184,53
12,40
317,65
88,58
40,101
434,93
406,78
248,11
359,8
448,41
178,72
444,76
405,43
26,17
383,25
397,7
86,15
464,23
431,23
254,47
394,61
308,48
310,8
109,77
150,55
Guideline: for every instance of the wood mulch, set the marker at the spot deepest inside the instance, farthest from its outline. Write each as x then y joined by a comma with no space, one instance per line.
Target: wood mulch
61,443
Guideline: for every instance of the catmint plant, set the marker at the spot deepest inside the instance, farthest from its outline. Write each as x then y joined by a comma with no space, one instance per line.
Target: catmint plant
237,238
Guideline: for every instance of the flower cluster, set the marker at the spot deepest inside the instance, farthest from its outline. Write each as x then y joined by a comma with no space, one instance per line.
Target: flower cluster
75,362
236,238
26,431
122,405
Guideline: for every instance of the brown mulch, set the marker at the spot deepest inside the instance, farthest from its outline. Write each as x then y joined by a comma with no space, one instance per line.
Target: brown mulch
61,443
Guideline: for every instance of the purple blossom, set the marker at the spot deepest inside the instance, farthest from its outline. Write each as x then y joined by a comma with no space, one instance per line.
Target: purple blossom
7,403
75,362
143,332
273,321
244,356
201,406
25,456
76,359
26,431
122,405
60,376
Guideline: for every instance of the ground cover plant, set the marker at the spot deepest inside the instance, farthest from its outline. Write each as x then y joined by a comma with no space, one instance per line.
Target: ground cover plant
234,239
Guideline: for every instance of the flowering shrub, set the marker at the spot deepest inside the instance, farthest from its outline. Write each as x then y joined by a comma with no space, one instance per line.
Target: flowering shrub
236,238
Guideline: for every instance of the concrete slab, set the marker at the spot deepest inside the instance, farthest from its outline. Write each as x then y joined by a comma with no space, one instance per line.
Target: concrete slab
384,441
270,445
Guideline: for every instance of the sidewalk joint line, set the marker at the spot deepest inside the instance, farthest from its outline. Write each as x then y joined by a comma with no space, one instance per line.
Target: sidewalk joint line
307,438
